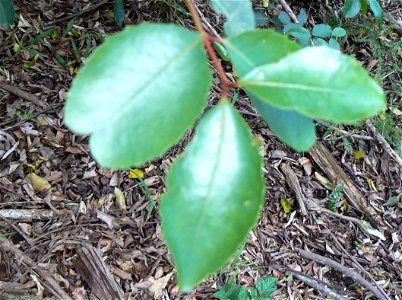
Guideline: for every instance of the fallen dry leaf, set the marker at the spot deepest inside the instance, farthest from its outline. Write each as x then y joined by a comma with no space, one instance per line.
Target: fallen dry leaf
38,183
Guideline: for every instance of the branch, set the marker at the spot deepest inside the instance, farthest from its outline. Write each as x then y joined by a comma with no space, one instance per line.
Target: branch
349,272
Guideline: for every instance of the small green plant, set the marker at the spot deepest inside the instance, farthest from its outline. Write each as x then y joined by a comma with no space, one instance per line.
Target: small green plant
146,86
320,35
23,116
263,289
334,199
352,8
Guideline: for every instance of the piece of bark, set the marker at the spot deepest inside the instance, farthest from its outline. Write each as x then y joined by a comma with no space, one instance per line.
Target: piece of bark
49,282
324,159
95,272
293,182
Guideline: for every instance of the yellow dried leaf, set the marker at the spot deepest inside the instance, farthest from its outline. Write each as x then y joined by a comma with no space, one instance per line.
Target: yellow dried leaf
39,183
135,173
371,184
286,205
121,200
265,3
359,154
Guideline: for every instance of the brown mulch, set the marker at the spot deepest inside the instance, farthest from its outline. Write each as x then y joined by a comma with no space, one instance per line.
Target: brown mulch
59,243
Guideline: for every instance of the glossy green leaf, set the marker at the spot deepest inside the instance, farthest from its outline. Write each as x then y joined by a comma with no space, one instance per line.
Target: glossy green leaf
338,32
239,14
291,127
214,195
7,13
119,12
318,82
299,33
377,10
258,47
351,8
138,93
322,30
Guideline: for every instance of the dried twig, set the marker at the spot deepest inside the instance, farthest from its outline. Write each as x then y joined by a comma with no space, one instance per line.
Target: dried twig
95,272
27,214
289,11
381,140
49,282
341,268
324,159
22,94
293,182
359,266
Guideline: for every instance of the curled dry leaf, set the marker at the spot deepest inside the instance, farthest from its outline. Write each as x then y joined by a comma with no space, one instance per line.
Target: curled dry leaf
38,183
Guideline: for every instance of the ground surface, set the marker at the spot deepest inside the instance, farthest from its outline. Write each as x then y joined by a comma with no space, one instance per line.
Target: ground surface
45,246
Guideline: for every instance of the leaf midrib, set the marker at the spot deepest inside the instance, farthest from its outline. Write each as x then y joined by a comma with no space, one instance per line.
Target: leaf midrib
127,109
206,198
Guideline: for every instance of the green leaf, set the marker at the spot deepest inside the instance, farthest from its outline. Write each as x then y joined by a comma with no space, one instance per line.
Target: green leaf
258,47
322,30
214,195
119,12
245,51
302,17
338,32
351,8
393,201
320,42
138,93
261,18
221,50
7,13
364,6
317,82
333,43
299,33
284,18
239,14
290,127
266,286
377,10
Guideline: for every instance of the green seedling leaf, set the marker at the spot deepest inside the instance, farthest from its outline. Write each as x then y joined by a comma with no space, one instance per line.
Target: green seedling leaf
284,18
7,13
245,51
119,12
290,26
204,218
239,14
299,33
320,42
317,82
393,201
338,32
322,30
266,286
351,8
377,10
302,17
138,93
261,19
333,43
